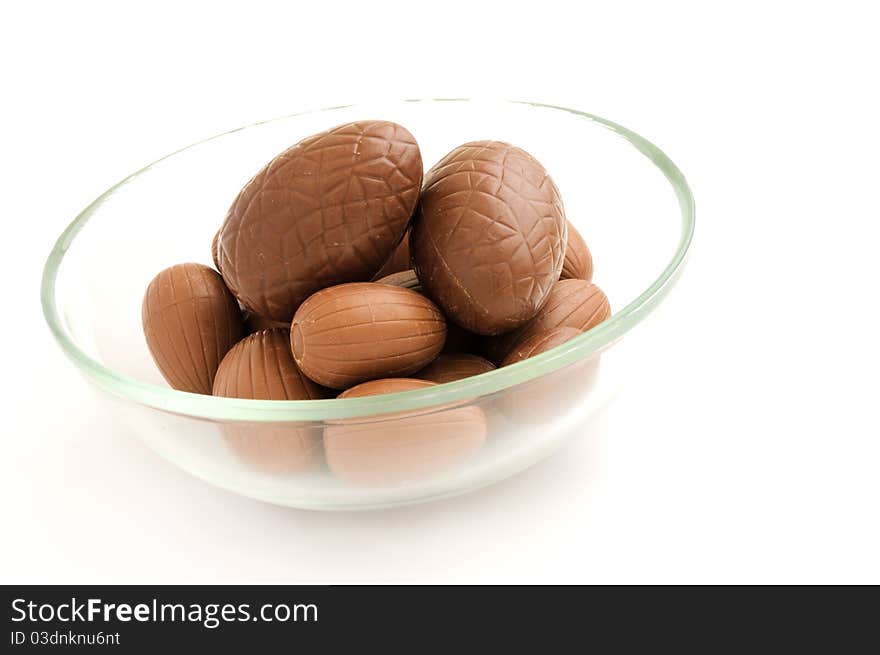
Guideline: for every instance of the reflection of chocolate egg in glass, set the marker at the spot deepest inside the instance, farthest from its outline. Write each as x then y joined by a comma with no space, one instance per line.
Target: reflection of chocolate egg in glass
404,446
260,367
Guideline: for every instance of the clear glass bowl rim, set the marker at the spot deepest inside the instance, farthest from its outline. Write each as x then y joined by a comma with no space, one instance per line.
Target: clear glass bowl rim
462,391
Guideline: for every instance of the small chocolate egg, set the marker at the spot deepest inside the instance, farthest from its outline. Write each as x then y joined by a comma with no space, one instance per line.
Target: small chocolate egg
260,367
578,262
572,303
403,446
488,237
328,210
539,343
190,322
449,367
351,333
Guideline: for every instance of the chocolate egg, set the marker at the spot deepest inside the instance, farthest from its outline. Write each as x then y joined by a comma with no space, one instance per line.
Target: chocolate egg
539,343
578,262
190,322
260,367
351,333
399,260
572,303
328,210
449,367
488,238
407,279
404,446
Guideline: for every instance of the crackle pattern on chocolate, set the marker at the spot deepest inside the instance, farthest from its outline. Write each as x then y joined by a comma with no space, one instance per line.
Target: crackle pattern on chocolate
404,446
488,239
328,210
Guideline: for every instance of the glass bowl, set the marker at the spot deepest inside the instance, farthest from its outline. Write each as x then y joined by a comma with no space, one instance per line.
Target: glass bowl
626,197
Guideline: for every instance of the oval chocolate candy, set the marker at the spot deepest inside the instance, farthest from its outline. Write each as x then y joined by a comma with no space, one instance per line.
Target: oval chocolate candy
540,342
351,333
328,210
488,238
404,446
260,367
572,303
190,321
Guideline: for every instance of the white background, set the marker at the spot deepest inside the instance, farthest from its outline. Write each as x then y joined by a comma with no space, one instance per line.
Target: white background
748,452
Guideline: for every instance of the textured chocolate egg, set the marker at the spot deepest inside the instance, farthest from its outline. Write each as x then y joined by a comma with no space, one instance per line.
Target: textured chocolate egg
578,263
190,322
328,210
404,446
407,279
260,367
572,303
488,238
399,260
539,343
351,333
449,367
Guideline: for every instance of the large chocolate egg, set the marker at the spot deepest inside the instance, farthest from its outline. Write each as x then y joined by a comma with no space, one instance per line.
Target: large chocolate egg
328,210
488,239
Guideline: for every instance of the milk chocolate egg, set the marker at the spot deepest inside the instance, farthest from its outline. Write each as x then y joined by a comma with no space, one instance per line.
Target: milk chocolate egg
572,303
190,322
404,446
260,367
328,210
351,333
578,262
540,342
449,367
488,238
398,261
